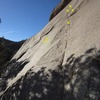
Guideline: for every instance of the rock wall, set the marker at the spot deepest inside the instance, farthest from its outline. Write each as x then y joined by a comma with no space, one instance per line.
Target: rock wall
59,7
61,62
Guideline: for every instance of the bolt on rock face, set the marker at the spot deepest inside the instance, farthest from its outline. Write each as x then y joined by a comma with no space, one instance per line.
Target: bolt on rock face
70,6
68,22
45,40
69,9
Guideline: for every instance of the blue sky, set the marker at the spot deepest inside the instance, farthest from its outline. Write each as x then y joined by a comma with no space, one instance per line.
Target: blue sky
21,19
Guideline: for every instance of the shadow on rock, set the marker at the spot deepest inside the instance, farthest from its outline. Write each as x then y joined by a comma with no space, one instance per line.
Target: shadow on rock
10,71
79,79
82,76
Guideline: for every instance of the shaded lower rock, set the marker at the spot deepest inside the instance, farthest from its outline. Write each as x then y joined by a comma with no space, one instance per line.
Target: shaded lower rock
10,71
37,86
84,76
79,79
7,50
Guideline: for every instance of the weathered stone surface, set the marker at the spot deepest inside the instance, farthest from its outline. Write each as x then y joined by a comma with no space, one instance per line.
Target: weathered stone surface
66,67
59,7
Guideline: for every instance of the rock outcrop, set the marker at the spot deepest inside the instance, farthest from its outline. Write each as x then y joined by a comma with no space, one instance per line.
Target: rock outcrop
59,7
61,62
7,50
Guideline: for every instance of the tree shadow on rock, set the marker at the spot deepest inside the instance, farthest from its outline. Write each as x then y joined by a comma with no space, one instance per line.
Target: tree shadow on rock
82,76
79,79
11,70
37,86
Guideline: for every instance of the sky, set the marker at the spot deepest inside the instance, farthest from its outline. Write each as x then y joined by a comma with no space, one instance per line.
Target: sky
21,19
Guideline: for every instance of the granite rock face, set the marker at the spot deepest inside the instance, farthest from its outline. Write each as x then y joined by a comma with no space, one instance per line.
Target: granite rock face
61,62
59,7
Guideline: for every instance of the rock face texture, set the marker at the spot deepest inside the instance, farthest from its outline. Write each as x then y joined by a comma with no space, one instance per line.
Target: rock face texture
64,67
59,7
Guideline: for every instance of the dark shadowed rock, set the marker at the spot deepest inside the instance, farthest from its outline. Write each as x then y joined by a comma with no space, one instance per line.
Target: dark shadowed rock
59,7
7,50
